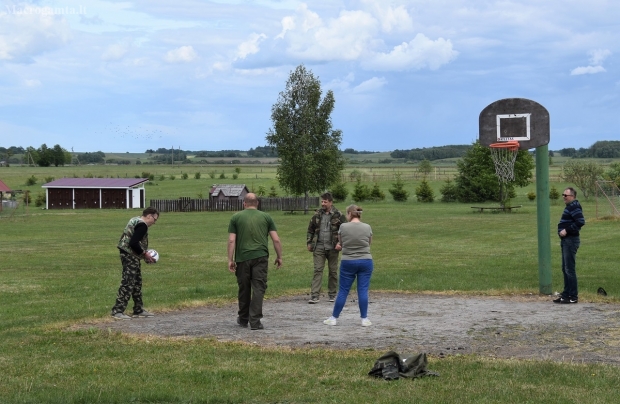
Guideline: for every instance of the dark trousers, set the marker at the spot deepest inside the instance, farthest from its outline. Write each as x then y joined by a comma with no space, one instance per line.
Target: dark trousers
131,285
569,246
252,281
319,257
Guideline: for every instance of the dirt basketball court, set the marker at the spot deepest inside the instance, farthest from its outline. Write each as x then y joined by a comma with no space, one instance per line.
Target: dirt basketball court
527,327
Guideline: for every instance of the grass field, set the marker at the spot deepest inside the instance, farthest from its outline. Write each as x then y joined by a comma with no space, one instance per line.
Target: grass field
59,268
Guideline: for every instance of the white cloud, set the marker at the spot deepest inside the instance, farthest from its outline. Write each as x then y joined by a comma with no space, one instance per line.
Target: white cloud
184,54
587,70
344,38
115,52
418,53
32,83
251,46
371,85
95,20
23,36
597,56
392,19
356,35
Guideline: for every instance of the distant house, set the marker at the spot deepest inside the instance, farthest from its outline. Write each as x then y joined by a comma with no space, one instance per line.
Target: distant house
4,189
223,192
95,193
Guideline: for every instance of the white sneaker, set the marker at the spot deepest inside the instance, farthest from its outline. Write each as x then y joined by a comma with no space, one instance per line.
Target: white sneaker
331,321
366,322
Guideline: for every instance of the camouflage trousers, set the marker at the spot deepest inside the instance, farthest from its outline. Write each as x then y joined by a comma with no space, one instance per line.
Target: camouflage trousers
131,285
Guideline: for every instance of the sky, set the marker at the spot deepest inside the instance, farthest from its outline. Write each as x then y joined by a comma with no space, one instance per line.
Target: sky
132,75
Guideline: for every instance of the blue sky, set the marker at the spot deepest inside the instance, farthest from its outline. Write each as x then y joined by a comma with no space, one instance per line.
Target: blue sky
131,75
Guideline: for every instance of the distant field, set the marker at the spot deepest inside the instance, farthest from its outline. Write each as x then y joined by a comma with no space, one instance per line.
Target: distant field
253,175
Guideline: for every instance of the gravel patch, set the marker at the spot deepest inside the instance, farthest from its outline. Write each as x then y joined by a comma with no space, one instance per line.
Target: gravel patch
524,327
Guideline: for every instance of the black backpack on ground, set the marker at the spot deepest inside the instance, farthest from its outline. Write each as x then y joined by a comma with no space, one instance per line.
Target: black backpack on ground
393,366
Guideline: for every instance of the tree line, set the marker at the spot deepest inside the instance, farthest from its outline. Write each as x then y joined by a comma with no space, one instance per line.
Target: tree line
601,149
431,153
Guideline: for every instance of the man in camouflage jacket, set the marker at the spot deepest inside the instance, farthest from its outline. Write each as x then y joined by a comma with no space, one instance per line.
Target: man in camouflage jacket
133,246
321,240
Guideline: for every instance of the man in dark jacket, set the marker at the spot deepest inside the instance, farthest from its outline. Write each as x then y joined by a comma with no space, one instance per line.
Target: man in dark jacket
321,240
568,229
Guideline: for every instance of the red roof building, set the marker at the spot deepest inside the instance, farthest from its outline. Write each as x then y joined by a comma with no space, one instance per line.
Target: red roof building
96,193
4,188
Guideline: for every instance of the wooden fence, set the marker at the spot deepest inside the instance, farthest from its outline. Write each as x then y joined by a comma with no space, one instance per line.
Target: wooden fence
186,204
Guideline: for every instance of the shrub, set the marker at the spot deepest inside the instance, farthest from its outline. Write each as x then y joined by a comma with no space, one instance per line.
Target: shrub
212,174
184,176
424,192
222,175
172,176
355,175
339,192
554,194
238,170
235,176
40,200
273,193
197,176
398,190
376,194
49,179
162,177
261,189
32,180
448,191
531,196
361,192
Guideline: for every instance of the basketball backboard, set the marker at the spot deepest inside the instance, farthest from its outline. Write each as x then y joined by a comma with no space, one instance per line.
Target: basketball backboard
514,119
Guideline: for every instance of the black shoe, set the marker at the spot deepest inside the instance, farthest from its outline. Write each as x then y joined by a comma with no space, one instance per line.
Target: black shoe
566,300
258,326
570,300
560,300
242,323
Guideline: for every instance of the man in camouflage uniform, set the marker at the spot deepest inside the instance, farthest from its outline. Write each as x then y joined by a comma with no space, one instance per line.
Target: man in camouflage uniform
321,240
133,246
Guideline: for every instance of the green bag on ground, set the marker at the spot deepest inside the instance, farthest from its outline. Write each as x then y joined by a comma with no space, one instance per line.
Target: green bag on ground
392,366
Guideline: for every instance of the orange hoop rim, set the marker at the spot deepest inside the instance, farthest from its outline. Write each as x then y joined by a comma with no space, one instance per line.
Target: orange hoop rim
510,145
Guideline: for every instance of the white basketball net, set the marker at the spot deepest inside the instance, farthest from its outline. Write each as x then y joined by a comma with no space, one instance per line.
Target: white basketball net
504,159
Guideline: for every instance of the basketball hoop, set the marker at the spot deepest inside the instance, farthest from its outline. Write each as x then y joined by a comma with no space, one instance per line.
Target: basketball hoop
504,155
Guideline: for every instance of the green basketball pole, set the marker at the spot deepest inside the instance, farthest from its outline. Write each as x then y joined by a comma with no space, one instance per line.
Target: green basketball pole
543,215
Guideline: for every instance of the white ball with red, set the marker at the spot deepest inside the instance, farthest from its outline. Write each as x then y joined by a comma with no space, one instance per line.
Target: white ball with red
154,255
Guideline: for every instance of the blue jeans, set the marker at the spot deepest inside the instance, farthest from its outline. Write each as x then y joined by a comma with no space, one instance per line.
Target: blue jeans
349,270
569,246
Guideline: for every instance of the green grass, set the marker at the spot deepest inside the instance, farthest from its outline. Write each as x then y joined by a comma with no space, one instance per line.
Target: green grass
59,268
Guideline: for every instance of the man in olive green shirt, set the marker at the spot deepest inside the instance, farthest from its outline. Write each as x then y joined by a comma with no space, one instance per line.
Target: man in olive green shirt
248,258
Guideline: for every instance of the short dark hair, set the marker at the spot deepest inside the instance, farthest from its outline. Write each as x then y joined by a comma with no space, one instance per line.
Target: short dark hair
150,211
327,196
572,191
